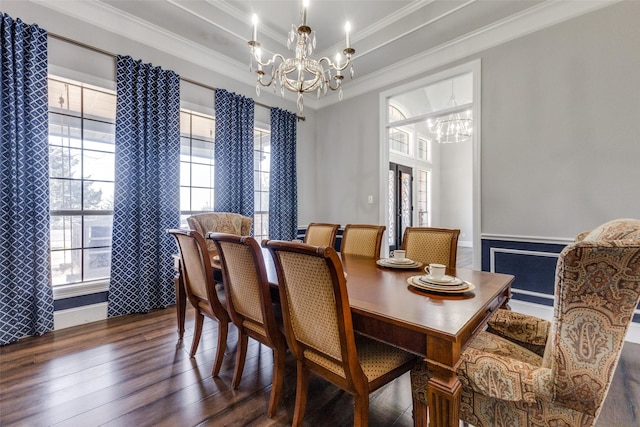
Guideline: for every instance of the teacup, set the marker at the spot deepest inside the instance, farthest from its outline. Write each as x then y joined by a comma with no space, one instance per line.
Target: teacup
399,254
436,271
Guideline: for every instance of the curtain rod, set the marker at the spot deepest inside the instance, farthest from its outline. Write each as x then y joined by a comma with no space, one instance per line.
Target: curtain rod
113,55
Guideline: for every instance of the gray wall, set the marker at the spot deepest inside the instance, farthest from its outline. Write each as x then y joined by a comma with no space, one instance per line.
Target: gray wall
560,130
347,146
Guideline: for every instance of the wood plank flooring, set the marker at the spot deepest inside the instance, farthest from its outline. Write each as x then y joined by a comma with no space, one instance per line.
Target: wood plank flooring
133,371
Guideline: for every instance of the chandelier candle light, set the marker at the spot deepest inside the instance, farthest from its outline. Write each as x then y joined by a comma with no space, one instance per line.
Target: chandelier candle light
300,73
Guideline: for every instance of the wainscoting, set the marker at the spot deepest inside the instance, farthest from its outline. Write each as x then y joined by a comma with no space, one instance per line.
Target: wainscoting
533,262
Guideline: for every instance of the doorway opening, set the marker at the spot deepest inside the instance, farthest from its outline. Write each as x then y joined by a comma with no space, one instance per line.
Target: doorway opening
431,183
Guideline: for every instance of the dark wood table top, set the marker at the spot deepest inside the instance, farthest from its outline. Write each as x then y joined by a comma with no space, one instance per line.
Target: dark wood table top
384,294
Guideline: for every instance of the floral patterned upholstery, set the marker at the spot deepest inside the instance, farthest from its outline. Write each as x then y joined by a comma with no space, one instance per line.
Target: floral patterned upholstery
221,222
431,245
597,289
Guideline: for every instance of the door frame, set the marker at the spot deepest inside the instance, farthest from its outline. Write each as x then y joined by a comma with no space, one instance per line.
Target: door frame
475,68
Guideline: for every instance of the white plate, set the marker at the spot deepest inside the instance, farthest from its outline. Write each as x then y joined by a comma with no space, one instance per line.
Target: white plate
459,289
383,262
400,261
445,281
216,257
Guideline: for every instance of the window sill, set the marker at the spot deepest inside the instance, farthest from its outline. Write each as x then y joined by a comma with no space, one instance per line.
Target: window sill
80,289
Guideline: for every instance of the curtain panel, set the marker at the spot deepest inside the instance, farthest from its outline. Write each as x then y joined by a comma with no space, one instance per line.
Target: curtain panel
234,154
147,187
283,190
26,297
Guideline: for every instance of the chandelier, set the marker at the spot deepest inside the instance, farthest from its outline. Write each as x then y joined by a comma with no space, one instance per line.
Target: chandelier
300,73
454,127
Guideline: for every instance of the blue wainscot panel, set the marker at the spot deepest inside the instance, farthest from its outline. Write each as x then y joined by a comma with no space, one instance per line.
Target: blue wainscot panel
533,265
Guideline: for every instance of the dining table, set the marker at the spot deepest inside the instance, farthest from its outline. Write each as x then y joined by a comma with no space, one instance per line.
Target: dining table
435,326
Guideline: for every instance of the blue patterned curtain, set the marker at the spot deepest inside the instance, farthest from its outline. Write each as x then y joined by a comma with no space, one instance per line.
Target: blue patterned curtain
147,187
283,190
234,153
26,298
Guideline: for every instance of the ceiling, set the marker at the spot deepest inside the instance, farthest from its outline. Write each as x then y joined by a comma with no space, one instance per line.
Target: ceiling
393,39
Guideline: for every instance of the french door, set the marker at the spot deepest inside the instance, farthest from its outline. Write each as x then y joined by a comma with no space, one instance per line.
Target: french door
400,202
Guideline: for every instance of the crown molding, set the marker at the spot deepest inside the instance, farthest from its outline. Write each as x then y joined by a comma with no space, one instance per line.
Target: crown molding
529,21
113,20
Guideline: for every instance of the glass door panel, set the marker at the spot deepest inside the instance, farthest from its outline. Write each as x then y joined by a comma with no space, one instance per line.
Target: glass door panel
400,202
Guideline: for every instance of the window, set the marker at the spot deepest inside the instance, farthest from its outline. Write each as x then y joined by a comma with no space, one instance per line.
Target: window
424,213
197,136
261,174
197,166
398,139
424,149
81,179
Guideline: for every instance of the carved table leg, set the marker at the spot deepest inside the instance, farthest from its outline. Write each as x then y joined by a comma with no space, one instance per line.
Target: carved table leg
420,413
443,393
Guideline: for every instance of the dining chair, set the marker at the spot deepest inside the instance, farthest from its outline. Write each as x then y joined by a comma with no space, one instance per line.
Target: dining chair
250,305
221,222
431,245
202,292
319,234
319,329
526,371
361,239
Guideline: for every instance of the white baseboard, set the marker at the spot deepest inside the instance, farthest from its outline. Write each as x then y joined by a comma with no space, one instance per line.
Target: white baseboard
79,315
546,312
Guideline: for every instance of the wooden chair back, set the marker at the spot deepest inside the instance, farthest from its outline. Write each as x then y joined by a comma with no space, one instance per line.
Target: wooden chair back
200,288
250,305
431,245
363,240
319,234
319,328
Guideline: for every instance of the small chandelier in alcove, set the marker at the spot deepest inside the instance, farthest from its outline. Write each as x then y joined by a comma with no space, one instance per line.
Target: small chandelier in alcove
454,127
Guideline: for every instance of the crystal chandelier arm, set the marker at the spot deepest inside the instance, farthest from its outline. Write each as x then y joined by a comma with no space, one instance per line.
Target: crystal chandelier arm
328,81
271,60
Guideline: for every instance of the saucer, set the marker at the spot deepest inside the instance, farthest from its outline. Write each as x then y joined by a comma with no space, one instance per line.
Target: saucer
461,288
400,261
445,280
384,262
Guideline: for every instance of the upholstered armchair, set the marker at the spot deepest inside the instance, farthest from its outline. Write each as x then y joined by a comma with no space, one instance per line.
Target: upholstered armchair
219,222
525,371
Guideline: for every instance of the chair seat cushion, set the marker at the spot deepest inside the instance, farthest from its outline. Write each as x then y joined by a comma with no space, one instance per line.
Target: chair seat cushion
520,327
376,358
499,368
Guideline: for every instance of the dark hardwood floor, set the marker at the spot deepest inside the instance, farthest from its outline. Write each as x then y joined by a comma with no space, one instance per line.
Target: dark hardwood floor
133,371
